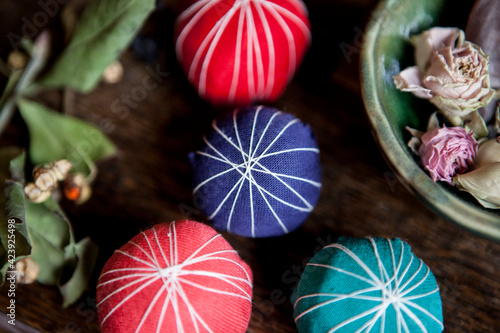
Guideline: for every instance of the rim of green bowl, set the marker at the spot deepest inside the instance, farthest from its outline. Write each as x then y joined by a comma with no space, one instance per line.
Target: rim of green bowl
437,198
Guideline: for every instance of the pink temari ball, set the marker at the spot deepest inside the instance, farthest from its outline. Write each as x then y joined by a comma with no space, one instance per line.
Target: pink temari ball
239,51
177,277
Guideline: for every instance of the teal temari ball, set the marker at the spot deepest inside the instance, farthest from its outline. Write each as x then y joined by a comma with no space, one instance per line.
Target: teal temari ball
367,285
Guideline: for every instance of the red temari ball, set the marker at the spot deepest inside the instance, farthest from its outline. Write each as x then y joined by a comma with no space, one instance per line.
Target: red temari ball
239,51
177,277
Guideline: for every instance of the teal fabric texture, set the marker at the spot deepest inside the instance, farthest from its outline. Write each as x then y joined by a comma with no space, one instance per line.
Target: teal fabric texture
367,285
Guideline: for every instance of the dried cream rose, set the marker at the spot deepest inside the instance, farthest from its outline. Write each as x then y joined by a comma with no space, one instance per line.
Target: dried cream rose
488,153
483,184
451,72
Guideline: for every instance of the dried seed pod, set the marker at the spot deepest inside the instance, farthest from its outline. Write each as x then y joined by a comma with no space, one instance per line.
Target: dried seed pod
113,73
27,271
61,168
77,188
35,194
17,60
45,179
47,176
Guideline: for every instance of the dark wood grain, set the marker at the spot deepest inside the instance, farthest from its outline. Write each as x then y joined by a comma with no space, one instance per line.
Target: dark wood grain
149,182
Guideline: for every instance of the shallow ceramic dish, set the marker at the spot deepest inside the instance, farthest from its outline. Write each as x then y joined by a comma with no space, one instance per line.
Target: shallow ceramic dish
385,52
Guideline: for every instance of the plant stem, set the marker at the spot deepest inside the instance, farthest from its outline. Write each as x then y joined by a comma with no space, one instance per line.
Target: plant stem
92,170
6,114
20,80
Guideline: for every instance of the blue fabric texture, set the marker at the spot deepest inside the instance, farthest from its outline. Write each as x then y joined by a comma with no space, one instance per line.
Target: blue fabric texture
367,285
258,174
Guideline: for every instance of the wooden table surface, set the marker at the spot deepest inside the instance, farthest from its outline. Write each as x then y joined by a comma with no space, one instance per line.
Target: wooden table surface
149,182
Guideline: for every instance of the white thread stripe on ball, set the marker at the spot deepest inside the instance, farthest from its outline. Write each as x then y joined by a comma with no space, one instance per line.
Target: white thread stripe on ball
143,277
395,296
251,164
246,22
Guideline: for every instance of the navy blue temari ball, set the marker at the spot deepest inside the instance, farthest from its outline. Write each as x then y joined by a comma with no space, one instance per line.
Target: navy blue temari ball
258,174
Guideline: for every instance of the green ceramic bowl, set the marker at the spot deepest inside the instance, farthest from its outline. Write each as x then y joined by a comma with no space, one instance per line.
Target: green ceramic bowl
385,52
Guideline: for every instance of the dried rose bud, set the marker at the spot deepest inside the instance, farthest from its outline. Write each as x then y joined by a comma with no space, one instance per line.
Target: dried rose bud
446,152
27,271
76,188
35,194
488,152
483,184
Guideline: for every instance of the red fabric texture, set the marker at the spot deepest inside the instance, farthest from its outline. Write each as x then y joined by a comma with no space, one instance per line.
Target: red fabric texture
236,52
176,277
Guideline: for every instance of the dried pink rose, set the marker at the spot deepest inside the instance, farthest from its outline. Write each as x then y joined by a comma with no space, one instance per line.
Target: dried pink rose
451,72
446,152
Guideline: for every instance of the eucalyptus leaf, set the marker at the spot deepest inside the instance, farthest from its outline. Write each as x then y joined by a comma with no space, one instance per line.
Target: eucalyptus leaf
56,136
86,251
103,31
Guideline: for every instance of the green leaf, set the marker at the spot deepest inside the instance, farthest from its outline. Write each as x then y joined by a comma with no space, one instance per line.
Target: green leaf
7,154
12,204
43,220
48,258
105,28
16,168
50,233
45,235
57,254
16,205
56,136
86,251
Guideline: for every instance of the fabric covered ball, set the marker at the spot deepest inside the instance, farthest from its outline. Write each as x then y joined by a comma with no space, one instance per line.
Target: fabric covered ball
177,277
258,174
236,52
367,285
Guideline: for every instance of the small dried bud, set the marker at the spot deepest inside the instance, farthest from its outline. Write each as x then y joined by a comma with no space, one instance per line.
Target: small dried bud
77,189
35,194
61,169
113,73
27,271
47,176
45,179
17,60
